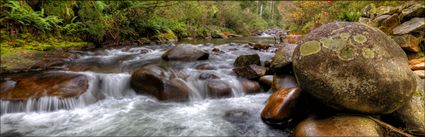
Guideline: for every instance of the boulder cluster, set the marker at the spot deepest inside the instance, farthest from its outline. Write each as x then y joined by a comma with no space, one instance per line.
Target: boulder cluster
351,79
405,24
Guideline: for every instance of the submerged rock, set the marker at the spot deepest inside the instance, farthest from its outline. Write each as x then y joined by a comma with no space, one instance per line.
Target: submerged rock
246,60
185,52
160,83
34,86
343,125
281,106
349,66
218,89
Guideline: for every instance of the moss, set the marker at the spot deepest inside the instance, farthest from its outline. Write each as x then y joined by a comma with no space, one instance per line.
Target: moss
310,48
368,53
418,94
326,42
359,38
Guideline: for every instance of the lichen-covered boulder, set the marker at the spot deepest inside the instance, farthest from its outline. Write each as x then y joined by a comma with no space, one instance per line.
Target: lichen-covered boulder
343,125
160,83
34,86
185,52
246,60
280,107
351,66
412,114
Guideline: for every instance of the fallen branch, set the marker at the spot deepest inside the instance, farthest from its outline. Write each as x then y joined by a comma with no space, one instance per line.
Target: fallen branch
388,126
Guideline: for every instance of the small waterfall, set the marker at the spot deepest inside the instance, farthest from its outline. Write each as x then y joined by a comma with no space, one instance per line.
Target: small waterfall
101,86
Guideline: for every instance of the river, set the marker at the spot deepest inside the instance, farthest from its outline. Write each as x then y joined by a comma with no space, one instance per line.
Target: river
110,107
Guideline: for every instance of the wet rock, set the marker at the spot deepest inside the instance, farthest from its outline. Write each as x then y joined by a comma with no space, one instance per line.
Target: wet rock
408,42
412,114
246,60
283,81
420,73
259,46
413,25
349,66
206,66
282,57
266,80
218,89
62,85
160,83
267,63
281,106
420,66
237,116
250,72
185,52
204,76
216,50
250,87
413,10
343,125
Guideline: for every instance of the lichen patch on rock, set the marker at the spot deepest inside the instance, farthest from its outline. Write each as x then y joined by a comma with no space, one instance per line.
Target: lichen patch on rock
359,38
368,53
310,48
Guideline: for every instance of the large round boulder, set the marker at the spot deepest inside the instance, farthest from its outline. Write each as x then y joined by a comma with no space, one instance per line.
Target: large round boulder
350,66
185,52
34,86
343,125
160,83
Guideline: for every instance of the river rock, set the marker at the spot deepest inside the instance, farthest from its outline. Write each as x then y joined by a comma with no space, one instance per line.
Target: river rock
204,76
283,81
412,114
343,125
282,57
420,73
408,42
266,80
349,66
205,66
246,60
413,10
250,86
413,25
218,89
281,106
419,66
34,86
185,52
259,46
250,72
416,60
160,83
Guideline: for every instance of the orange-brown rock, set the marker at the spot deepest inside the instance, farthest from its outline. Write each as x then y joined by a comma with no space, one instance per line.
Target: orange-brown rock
62,85
343,125
420,66
266,80
416,61
280,106
408,42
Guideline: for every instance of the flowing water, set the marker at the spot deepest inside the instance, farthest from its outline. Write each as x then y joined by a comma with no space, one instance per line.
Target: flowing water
110,107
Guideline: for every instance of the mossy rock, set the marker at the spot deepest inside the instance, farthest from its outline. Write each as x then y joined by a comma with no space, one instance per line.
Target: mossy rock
352,67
